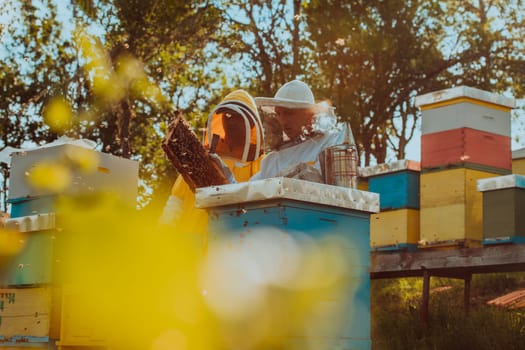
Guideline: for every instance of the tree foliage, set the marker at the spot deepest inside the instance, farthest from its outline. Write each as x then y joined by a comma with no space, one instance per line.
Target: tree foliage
34,62
120,64
148,58
494,30
375,56
265,36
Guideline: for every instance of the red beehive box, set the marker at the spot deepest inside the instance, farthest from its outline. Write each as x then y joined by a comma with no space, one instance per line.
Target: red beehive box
466,146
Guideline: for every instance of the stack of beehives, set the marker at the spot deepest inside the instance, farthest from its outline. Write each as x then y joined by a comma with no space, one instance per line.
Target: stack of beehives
397,225
465,137
30,299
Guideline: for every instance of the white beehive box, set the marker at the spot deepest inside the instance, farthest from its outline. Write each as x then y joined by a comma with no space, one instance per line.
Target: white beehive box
106,172
465,107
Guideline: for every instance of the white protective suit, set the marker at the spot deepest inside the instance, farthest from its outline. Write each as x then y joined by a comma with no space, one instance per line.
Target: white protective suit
279,163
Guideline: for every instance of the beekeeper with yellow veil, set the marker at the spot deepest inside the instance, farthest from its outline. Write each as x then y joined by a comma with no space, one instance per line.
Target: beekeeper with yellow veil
234,133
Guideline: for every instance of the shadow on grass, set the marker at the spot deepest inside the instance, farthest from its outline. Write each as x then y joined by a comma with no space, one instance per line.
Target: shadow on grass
396,321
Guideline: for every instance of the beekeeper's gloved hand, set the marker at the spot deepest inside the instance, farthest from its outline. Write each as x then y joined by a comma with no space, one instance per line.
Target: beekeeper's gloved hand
303,171
226,171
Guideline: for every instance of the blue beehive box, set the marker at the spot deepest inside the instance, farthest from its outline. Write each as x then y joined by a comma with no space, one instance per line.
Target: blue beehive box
32,205
397,183
296,209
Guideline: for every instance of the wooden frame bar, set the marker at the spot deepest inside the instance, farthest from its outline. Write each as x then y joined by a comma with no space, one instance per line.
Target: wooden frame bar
448,262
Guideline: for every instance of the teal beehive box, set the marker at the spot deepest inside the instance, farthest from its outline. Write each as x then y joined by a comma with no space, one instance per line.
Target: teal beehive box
35,244
24,206
397,183
282,225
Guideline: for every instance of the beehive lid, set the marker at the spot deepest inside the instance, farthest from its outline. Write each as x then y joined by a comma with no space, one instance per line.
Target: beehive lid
518,154
287,188
391,167
106,172
31,223
464,92
501,182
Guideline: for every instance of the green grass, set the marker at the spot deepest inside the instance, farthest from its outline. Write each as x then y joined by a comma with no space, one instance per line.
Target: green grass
396,318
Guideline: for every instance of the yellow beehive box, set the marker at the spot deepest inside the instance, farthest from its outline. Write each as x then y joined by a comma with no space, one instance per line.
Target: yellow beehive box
518,166
451,223
362,184
451,186
362,180
451,206
25,312
79,324
397,228
518,161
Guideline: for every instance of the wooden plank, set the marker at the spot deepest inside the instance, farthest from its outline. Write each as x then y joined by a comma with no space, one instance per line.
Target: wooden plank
448,262
25,312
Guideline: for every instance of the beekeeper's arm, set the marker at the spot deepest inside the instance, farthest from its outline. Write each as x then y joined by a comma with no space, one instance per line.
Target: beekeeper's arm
174,207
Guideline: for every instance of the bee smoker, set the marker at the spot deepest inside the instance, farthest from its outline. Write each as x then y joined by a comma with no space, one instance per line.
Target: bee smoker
339,162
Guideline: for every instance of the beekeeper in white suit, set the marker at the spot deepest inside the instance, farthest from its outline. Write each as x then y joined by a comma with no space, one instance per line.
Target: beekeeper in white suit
309,127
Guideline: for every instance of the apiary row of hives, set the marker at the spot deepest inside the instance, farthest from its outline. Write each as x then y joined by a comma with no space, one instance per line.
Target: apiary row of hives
446,199
442,200
44,309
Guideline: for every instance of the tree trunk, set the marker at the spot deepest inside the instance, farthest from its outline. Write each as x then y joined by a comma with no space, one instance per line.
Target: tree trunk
295,37
5,174
124,119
